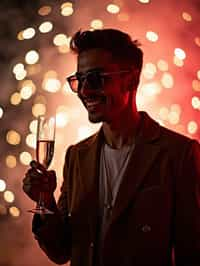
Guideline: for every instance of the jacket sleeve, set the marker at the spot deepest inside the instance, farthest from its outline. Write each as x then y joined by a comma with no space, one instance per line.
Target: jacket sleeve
53,231
187,213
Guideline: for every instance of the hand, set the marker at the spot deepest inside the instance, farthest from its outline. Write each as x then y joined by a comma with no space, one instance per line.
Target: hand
38,179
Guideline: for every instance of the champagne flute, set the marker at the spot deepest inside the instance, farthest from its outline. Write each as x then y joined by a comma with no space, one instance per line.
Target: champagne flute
46,127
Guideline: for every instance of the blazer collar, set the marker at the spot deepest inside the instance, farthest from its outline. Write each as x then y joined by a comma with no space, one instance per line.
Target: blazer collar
145,152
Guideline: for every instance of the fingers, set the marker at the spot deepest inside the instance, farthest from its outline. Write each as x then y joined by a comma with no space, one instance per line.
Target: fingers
37,179
36,165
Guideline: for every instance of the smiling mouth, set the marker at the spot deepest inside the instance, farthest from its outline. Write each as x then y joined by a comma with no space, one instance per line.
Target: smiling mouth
93,103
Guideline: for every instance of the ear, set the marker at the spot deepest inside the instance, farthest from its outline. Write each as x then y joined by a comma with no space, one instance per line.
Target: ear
132,80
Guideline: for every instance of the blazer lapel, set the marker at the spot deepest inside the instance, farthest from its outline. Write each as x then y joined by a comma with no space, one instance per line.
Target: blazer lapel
89,162
144,154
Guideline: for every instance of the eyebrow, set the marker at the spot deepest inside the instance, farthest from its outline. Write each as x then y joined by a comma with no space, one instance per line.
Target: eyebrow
91,70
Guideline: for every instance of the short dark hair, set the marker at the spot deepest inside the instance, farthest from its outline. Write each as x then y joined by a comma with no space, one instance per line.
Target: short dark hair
123,49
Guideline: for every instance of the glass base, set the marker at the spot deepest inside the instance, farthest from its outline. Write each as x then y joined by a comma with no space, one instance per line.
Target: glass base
41,210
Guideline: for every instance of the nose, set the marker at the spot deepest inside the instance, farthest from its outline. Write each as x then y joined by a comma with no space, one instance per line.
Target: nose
86,89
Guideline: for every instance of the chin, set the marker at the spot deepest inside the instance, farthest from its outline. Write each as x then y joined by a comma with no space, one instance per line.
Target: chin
93,118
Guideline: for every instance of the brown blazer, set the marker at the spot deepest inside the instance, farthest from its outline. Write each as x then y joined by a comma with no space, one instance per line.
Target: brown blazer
156,217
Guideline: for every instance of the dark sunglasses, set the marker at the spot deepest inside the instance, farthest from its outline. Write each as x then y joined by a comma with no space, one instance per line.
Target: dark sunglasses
95,79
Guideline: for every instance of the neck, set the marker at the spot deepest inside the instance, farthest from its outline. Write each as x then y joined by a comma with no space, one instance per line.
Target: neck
123,131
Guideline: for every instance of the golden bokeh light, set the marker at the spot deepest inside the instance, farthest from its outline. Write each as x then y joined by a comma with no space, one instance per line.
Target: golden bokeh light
163,113
31,140
2,185
151,89
33,126
1,112
11,161
62,119
13,137
167,80
162,65
152,36
192,127
186,16
67,9
149,70
196,102
196,85
14,211
178,62
9,196
26,92
176,108
31,57
51,85
38,109
45,27
19,67
96,24
44,10
60,39
28,33
173,117
25,158
20,36
113,9
15,98
144,1
180,53
21,75
66,4
29,83
197,41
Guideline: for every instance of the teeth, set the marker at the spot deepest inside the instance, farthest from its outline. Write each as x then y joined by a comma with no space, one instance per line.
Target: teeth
92,103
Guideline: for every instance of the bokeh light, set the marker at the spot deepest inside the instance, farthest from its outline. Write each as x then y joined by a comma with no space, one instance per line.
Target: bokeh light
180,53
11,161
162,65
9,196
1,112
45,27
167,80
113,9
67,9
28,33
14,211
38,109
44,10
152,36
2,185
51,84
96,24
15,98
32,57
186,16
13,137
25,158
31,140
192,127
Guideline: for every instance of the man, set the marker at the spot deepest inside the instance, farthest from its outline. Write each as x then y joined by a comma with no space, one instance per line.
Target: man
131,192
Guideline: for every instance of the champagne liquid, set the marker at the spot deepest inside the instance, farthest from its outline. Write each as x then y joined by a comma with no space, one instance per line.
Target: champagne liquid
44,152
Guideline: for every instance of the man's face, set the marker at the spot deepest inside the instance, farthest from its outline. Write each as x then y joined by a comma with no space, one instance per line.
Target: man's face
107,102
